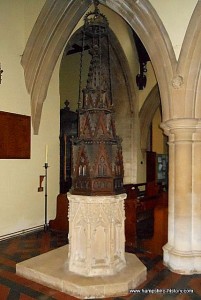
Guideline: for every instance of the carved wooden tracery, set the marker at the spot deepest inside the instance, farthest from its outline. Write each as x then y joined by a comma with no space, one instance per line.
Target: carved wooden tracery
97,153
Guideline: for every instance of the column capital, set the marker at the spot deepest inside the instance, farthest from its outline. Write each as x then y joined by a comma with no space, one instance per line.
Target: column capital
183,127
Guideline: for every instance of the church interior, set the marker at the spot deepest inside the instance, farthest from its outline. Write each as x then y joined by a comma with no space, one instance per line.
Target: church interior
154,79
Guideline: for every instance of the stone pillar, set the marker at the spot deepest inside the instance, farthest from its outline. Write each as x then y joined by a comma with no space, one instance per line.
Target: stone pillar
96,234
182,253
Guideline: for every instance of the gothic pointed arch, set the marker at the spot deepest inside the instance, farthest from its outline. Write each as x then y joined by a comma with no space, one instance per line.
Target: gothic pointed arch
55,25
189,67
86,127
102,165
146,115
52,29
82,164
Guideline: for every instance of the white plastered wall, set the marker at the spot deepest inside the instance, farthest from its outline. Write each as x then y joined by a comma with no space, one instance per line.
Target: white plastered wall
22,206
175,16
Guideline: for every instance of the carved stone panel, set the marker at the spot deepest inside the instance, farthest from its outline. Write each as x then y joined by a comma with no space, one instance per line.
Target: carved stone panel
96,234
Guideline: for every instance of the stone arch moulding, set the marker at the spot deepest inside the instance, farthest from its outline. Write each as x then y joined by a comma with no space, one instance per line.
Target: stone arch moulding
189,65
146,115
52,29
54,26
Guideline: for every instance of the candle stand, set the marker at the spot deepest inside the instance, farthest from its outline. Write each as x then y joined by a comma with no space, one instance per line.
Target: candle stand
46,222
40,189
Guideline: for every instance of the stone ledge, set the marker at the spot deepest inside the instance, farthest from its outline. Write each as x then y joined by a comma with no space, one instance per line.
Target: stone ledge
51,269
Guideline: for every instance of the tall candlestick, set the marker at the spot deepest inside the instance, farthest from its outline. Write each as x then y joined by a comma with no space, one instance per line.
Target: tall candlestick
46,153
46,212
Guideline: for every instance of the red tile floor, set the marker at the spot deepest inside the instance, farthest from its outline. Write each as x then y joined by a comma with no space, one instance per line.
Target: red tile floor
13,287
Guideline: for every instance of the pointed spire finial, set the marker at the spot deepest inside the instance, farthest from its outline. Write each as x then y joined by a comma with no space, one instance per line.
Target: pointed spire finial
96,3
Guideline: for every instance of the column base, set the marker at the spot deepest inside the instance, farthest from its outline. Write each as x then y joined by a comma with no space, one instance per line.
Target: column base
182,262
51,269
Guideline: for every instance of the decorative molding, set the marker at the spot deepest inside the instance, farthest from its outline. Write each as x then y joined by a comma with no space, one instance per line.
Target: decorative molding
96,234
52,29
21,232
146,115
54,26
177,82
189,66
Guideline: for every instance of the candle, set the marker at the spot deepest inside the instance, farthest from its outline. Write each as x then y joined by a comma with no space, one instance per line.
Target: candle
46,153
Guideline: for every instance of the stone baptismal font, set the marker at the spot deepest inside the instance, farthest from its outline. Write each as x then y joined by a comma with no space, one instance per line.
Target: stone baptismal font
94,264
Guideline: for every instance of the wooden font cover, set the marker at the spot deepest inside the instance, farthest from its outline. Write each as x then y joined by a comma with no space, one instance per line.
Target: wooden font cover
97,162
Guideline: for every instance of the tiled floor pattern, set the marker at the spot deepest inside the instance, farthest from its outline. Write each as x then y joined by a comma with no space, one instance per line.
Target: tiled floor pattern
13,287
